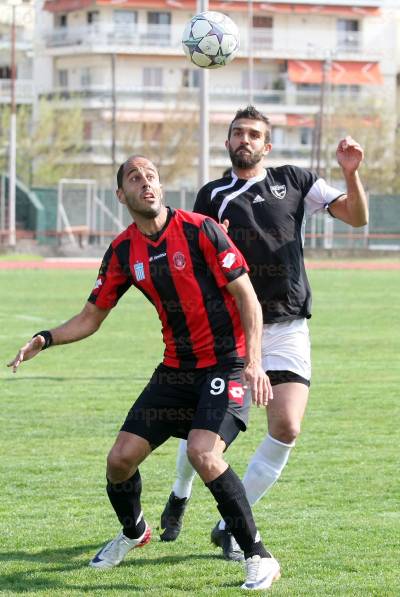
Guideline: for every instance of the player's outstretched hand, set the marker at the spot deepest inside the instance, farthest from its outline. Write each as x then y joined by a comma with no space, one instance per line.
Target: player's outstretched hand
349,154
30,350
258,382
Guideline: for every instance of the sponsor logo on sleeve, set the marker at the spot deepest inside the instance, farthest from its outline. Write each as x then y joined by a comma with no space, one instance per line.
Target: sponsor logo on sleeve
99,282
278,191
227,260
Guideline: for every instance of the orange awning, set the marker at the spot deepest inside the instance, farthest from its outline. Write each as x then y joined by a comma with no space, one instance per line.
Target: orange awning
302,9
66,5
299,120
339,72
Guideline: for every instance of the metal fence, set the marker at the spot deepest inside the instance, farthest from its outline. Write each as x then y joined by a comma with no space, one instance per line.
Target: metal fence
79,213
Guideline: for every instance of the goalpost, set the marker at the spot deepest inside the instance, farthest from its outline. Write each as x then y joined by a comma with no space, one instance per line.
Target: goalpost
83,216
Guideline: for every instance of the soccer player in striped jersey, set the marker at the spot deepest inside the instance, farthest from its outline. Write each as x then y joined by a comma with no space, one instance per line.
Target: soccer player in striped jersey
212,323
264,210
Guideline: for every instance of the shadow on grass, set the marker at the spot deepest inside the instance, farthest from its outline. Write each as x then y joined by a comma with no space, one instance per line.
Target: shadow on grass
50,577
17,377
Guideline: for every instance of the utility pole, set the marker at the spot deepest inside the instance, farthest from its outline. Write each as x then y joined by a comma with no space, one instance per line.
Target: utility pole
325,67
250,13
113,114
204,146
12,177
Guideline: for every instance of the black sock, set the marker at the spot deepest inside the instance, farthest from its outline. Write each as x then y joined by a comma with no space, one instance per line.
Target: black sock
235,509
125,499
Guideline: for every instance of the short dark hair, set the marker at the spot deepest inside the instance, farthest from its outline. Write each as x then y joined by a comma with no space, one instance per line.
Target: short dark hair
252,113
120,173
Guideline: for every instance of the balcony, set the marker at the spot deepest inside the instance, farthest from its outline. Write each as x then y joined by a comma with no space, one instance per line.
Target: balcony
24,91
141,38
108,36
223,98
23,40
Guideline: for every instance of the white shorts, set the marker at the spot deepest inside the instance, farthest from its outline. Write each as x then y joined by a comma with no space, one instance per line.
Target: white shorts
286,347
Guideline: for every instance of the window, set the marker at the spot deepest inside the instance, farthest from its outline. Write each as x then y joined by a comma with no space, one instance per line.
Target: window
278,136
61,21
348,34
62,78
159,18
86,76
305,136
124,24
262,22
93,16
190,78
125,17
5,72
152,77
261,79
158,29
262,34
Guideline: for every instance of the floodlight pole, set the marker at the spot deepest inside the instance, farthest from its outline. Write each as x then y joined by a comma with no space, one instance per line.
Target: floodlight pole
250,50
13,140
113,113
204,137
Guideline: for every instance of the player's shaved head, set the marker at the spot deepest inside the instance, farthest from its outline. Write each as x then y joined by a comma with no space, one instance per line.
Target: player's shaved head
134,161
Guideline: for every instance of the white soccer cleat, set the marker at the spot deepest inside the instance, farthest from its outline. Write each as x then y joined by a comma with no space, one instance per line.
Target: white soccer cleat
260,573
115,551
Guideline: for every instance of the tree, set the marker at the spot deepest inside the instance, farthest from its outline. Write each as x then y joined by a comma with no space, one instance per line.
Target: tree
48,148
171,143
373,124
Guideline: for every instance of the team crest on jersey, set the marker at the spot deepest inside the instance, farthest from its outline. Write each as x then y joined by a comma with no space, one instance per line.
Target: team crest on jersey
139,271
179,260
236,392
278,191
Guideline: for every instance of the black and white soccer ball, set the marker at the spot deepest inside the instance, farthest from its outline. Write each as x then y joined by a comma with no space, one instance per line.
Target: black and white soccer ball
210,39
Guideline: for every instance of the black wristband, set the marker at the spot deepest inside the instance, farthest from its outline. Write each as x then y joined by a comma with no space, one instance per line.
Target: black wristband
48,338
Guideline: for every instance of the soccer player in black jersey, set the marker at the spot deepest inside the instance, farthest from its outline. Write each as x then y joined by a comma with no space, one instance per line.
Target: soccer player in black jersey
212,325
264,210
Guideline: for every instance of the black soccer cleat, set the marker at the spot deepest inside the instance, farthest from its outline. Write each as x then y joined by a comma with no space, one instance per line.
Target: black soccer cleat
172,517
225,540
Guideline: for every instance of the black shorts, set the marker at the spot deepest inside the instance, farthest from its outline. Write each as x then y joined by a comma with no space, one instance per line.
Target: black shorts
176,401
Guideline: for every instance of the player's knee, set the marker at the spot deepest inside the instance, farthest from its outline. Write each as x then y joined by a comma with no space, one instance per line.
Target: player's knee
202,460
117,464
287,432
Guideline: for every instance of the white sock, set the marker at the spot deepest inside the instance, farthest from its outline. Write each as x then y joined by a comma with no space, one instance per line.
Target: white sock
265,467
185,473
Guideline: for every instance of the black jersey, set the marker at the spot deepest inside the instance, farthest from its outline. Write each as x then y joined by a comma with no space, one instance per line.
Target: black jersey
266,221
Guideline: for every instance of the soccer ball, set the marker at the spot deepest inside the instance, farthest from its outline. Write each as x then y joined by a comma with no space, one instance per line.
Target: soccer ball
210,39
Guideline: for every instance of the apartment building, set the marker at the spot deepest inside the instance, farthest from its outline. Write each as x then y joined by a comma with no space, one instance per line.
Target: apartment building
23,19
122,62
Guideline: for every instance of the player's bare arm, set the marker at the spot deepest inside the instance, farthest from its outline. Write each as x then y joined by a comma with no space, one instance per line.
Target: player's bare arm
352,208
251,318
80,326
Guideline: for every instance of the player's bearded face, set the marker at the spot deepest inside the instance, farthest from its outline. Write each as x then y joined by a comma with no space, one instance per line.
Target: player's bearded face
244,157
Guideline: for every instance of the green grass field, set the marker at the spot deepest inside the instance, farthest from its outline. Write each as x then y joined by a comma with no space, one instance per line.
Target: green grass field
333,519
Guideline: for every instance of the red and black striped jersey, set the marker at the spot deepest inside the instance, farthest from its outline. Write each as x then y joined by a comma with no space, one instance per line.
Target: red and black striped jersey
184,274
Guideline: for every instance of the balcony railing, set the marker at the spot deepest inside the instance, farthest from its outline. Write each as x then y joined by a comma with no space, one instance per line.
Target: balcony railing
141,97
24,91
142,38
